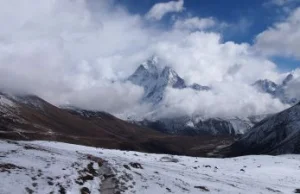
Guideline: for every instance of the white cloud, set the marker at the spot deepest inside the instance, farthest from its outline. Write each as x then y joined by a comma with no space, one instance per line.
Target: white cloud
202,57
159,10
195,23
68,51
58,49
111,97
280,2
229,99
282,39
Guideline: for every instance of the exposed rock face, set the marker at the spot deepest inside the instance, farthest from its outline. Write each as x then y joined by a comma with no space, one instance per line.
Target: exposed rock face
278,91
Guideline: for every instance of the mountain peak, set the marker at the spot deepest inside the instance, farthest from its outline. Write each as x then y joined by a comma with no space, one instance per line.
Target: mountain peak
149,67
288,78
266,86
169,73
171,78
155,80
145,72
154,59
264,81
278,91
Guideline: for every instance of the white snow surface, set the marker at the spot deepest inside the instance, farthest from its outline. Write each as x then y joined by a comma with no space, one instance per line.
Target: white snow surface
45,167
4,101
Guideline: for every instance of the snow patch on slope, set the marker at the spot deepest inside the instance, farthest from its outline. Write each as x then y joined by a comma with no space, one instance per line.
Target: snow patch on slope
4,101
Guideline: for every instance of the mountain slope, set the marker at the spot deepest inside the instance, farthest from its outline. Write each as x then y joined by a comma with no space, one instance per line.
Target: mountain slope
197,126
277,134
31,118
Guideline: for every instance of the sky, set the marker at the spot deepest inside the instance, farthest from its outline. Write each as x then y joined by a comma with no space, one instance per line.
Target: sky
243,14
246,19
80,52
236,12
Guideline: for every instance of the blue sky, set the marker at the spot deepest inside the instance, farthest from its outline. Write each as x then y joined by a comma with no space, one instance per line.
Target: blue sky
246,18
286,64
255,13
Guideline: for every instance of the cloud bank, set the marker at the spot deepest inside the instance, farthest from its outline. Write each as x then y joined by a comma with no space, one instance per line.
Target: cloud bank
79,52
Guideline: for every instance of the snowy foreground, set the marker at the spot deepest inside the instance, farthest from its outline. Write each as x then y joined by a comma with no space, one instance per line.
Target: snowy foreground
49,167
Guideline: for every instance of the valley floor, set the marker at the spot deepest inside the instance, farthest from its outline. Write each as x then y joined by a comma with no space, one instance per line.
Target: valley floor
51,167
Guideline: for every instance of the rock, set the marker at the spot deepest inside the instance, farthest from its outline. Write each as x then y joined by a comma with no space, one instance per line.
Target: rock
297,191
169,159
136,165
30,191
85,190
203,188
126,166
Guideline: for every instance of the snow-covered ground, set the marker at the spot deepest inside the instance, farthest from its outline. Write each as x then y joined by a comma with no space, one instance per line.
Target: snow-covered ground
49,167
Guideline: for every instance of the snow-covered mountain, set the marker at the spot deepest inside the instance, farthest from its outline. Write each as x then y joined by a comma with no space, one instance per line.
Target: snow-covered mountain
155,78
52,167
186,125
276,90
277,134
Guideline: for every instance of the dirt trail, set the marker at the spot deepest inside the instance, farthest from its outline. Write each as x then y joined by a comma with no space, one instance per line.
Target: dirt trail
109,182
